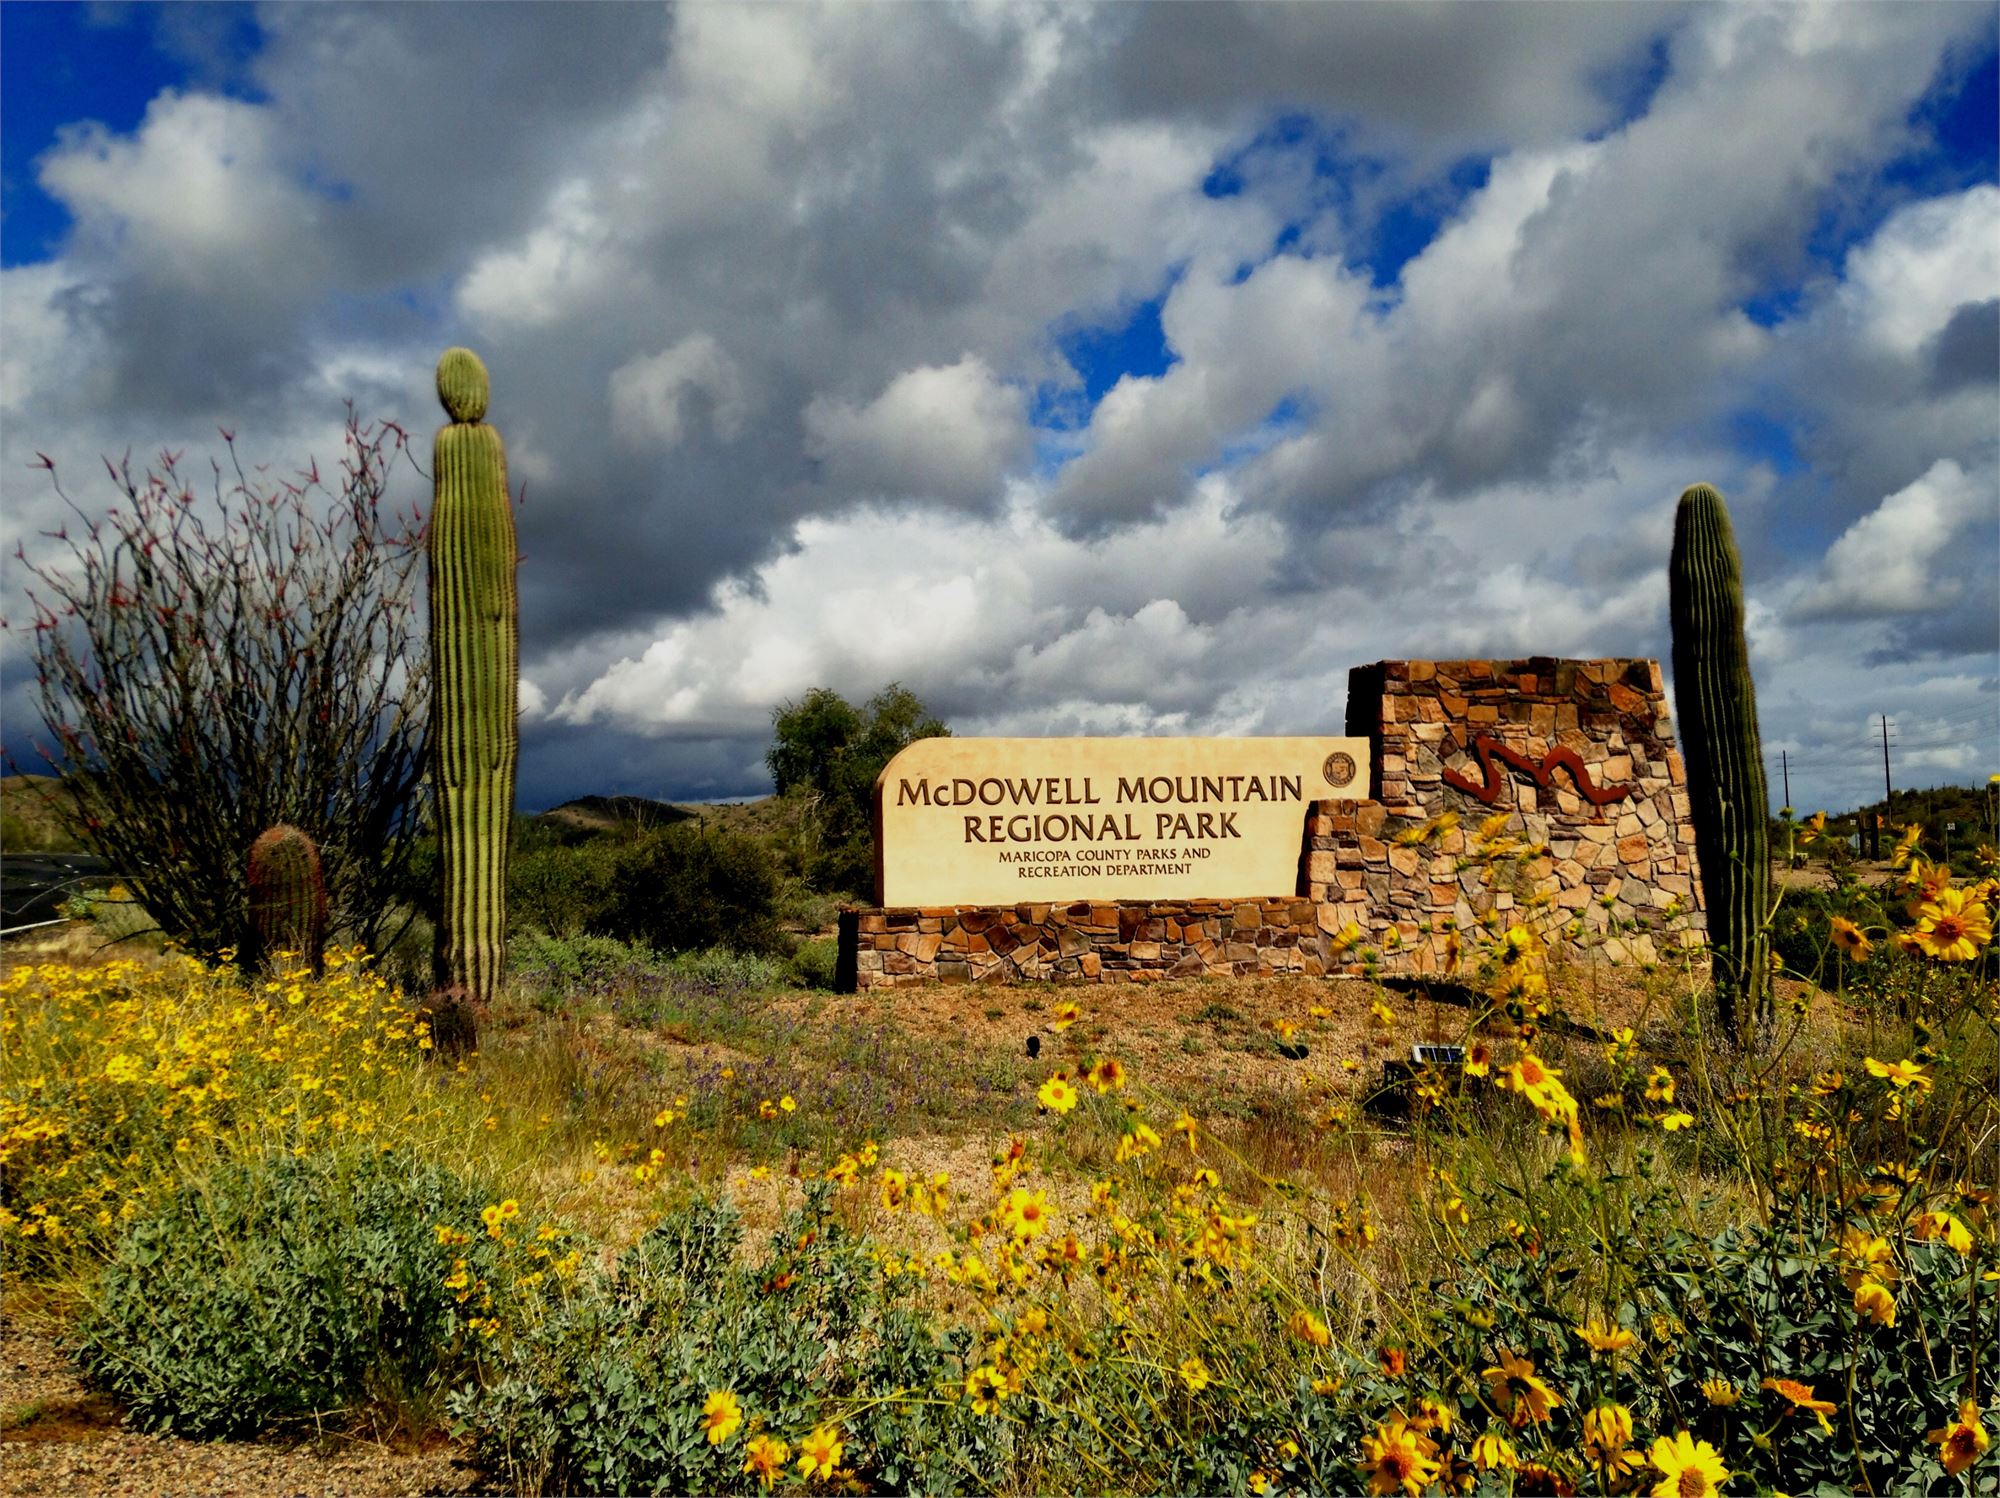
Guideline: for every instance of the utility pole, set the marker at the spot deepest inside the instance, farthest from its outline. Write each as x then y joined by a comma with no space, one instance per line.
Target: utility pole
1785,769
1887,792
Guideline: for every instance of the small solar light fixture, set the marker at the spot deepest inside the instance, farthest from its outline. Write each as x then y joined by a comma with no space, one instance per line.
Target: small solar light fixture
1437,1055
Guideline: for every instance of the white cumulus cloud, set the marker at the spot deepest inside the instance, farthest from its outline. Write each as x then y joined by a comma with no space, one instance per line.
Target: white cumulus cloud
652,395
945,433
1883,563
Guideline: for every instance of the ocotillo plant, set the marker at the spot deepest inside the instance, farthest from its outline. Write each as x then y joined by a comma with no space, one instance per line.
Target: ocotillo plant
287,898
475,671
1717,703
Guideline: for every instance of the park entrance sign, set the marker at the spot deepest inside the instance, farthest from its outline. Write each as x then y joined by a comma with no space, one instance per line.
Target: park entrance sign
1469,792
1004,821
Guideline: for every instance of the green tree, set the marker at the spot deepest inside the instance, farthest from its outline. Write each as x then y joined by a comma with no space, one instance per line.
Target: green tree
825,755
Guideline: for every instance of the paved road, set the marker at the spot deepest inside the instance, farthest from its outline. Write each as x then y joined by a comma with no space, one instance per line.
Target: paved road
33,886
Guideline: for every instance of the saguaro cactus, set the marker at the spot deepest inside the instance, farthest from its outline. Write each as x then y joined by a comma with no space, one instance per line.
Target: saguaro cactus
287,897
1717,703
475,672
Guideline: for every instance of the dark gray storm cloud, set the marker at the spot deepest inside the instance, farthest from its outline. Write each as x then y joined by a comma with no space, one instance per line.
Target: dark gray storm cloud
779,301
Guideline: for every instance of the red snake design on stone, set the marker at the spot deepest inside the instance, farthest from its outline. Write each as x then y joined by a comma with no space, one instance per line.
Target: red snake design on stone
1560,757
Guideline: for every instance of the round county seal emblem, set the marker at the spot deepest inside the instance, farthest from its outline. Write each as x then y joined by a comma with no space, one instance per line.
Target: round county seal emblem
1338,769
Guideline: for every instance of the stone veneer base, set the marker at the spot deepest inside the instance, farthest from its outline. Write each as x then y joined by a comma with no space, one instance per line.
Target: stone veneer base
1088,941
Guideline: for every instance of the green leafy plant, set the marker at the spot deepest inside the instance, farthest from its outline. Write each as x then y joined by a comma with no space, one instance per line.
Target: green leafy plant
606,1392
685,888
280,1288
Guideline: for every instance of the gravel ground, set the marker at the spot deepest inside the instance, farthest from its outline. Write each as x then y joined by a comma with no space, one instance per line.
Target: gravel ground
59,1438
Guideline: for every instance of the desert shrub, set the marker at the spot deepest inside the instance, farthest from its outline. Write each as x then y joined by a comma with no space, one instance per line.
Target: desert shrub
281,1287
812,965
117,1081
404,961
803,908
548,965
211,666
608,1391
720,970
1611,1293
563,889
683,889
634,982
116,915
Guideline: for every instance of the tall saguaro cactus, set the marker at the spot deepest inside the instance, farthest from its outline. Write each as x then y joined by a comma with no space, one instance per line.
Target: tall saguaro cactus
287,897
475,673
1717,703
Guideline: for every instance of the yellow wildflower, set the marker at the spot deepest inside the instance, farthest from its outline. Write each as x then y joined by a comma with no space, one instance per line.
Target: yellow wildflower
766,1456
1963,1441
1933,1225
985,1386
1899,1074
1874,1301
1953,927
1399,1459
819,1453
1309,1328
1801,1397
1849,939
1056,1094
1688,1468
1522,1396
1494,1452
721,1416
1602,1338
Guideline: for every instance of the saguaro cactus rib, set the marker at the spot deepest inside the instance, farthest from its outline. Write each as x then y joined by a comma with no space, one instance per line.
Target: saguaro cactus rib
475,659
1717,703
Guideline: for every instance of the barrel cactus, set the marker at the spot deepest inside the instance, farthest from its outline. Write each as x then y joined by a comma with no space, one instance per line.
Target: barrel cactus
475,673
287,898
1717,703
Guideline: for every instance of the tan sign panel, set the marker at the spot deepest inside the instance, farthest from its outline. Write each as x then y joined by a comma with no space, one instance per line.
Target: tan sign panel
1002,821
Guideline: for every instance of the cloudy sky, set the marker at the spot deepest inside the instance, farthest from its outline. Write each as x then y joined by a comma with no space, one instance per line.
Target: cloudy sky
1088,370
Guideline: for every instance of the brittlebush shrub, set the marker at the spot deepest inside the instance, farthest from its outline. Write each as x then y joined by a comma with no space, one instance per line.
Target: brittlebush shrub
282,1288
606,1391
118,1082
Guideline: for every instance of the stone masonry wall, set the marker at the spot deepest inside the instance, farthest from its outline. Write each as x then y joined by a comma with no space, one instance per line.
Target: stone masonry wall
1578,755
1478,738
1092,941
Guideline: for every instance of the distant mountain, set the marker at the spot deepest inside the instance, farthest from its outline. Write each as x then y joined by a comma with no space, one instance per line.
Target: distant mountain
610,813
30,819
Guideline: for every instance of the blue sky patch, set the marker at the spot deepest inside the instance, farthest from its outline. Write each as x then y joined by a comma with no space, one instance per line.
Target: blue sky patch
1102,354
1387,223
1958,124
1763,438
62,64
1632,84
